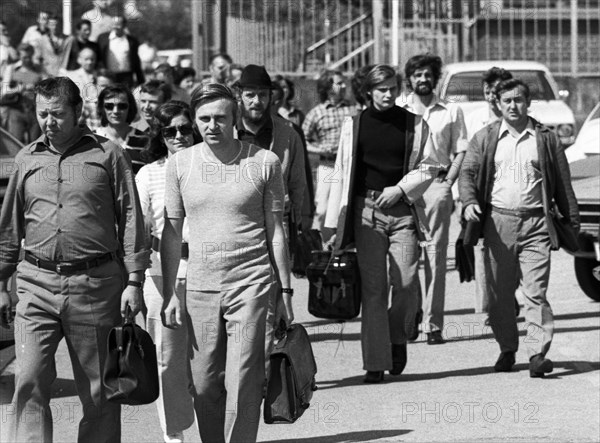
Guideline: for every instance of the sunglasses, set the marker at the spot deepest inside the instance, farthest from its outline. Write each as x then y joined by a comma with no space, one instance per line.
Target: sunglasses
171,131
119,106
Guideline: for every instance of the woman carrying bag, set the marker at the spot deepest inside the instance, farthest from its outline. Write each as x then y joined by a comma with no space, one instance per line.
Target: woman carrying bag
384,163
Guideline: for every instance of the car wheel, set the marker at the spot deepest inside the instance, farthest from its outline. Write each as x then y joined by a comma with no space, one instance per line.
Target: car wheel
584,268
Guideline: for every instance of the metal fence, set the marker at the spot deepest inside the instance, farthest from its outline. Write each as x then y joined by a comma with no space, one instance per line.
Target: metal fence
305,36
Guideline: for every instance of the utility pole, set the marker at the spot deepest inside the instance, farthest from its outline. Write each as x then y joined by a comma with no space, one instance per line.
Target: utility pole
378,30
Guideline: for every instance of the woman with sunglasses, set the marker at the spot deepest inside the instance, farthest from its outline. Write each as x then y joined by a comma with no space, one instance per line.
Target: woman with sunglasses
117,109
172,125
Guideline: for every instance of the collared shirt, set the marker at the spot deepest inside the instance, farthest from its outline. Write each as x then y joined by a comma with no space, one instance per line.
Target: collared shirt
262,138
118,53
323,125
478,119
518,180
24,76
135,143
72,206
447,124
293,114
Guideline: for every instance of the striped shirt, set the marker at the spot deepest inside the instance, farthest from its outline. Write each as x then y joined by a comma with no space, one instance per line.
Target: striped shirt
134,144
150,181
323,125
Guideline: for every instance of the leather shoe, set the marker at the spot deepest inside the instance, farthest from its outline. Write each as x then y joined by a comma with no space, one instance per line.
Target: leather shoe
435,338
398,359
505,362
539,366
414,333
373,377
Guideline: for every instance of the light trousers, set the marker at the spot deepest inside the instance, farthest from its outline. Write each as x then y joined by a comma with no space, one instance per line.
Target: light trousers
81,308
325,172
228,366
175,402
517,249
438,210
382,236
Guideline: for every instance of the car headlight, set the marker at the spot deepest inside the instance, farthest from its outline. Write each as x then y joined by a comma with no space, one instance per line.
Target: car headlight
564,130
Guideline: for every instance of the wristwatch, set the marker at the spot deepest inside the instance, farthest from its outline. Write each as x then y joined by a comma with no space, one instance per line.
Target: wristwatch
287,291
137,284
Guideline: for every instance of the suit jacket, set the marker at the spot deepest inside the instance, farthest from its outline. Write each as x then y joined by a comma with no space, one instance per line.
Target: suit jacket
421,164
134,59
479,169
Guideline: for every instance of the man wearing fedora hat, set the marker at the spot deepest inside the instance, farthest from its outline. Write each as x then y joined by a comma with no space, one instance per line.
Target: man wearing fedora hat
257,126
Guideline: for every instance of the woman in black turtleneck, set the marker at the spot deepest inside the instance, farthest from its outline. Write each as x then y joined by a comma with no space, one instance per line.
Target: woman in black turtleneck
384,164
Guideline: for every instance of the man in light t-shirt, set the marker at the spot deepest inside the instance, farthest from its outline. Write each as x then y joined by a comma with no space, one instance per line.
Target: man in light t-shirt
232,195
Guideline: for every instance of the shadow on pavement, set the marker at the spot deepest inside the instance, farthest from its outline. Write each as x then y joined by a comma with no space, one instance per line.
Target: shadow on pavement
347,437
61,387
561,369
522,333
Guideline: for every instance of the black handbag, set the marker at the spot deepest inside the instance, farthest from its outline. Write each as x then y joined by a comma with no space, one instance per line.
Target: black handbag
131,370
334,291
291,380
301,246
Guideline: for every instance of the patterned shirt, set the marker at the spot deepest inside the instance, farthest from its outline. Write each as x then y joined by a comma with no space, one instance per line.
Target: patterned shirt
323,125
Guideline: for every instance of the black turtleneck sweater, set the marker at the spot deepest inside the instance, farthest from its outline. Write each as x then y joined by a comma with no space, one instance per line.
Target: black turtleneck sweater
381,149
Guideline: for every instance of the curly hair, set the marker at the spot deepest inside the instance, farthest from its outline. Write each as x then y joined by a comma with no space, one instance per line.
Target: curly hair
423,61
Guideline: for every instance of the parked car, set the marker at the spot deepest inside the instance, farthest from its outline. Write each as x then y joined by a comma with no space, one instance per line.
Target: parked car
584,162
461,83
9,146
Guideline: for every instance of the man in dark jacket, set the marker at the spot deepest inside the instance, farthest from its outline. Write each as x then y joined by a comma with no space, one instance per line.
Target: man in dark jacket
119,54
514,177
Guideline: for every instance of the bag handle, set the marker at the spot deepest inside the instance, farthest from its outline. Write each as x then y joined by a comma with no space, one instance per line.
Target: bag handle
129,320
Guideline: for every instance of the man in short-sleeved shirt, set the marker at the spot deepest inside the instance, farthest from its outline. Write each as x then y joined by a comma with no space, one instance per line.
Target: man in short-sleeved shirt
232,195
447,125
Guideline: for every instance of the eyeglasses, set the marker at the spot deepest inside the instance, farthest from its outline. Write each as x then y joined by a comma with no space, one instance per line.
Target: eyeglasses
119,106
171,131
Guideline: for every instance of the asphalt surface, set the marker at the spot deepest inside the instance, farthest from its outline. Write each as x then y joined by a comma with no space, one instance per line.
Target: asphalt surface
447,392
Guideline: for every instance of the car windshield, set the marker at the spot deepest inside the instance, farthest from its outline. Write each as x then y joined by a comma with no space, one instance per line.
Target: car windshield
596,114
466,86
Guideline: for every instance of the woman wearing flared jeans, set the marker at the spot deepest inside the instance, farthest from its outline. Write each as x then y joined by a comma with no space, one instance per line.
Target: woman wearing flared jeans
385,162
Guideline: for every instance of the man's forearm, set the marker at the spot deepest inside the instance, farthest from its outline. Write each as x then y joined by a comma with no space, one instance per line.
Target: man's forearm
455,167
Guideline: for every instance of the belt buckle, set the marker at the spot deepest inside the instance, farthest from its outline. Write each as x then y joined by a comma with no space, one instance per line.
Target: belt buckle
58,268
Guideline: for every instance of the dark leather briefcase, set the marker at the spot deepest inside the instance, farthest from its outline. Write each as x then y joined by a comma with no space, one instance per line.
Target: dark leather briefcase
131,371
291,380
334,291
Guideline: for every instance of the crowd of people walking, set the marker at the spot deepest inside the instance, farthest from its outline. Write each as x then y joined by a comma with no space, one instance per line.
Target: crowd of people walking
172,196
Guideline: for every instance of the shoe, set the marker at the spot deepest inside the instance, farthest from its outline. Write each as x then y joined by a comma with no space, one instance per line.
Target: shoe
414,333
435,338
373,377
540,366
176,437
505,362
398,359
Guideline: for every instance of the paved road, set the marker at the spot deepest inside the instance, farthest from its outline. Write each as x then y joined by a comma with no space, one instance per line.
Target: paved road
447,393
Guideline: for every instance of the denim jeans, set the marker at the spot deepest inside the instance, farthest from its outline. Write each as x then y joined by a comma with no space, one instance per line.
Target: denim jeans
388,258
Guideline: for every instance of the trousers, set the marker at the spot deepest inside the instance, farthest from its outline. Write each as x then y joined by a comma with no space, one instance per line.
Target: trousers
325,172
438,210
228,365
517,249
384,235
175,403
81,308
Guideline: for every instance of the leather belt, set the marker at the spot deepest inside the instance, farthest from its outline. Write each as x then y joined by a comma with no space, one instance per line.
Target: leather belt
327,157
68,267
185,247
525,212
370,193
